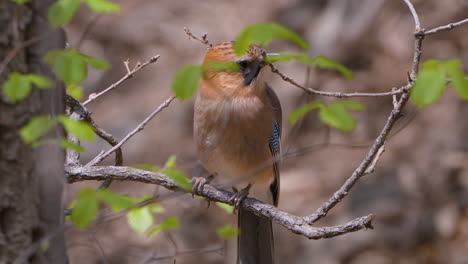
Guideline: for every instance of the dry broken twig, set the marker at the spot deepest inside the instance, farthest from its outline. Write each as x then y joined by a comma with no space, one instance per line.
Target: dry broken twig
129,75
203,39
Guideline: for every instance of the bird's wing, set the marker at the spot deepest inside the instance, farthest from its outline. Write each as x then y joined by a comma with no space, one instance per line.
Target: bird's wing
275,142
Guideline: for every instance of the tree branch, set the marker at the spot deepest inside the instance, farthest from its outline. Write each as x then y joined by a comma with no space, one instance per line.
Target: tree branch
140,127
380,140
332,94
129,75
446,27
294,223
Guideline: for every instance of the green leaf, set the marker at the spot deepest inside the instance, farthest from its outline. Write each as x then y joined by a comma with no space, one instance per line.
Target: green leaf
156,208
81,129
75,91
179,178
429,86
171,222
21,2
116,201
16,87
458,78
228,231
328,64
84,212
38,80
171,162
226,207
262,34
103,6
147,167
62,11
224,66
68,65
64,143
140,219
95,62
301,111
284,57
186,80
336,115
35,128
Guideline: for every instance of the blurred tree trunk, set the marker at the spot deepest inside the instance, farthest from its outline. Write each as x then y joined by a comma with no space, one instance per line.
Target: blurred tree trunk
31,179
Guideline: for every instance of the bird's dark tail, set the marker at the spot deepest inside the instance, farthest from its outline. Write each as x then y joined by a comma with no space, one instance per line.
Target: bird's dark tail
255,242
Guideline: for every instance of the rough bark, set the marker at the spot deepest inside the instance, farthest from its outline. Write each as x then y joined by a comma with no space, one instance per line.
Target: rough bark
31,179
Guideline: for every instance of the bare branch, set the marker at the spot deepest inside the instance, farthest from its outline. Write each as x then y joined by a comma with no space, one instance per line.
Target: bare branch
129,75
446,27
203,39
140,127
79,112
294,223
332,94
380,140
415,15
371,167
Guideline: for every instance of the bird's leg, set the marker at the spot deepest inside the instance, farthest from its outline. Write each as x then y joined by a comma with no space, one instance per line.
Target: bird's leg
199,182
239,196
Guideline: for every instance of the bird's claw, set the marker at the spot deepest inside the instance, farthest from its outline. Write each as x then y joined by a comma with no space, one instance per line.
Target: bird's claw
239,196
198,183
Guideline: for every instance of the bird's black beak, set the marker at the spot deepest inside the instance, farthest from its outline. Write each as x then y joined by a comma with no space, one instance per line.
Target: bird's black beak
251,71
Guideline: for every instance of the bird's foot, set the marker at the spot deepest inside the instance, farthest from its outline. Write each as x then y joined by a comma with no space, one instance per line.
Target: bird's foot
239,196
198,183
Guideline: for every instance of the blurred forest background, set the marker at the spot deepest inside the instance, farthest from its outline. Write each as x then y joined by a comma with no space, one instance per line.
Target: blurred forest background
419,191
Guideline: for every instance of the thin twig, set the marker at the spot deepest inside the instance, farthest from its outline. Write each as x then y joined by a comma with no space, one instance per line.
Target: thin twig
417,24
83,114
446,27
332,94
140,127
371,167
203,40
129,75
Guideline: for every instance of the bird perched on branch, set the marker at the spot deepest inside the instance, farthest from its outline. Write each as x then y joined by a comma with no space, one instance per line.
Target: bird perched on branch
237,130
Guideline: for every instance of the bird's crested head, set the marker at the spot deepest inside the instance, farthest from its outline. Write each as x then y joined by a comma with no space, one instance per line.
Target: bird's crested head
247,67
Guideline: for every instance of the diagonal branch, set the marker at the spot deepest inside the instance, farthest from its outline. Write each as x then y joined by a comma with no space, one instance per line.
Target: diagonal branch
127,76
379,142
98,159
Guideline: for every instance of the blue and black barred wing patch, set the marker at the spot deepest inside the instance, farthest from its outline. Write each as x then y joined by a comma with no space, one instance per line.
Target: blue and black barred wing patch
275,148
